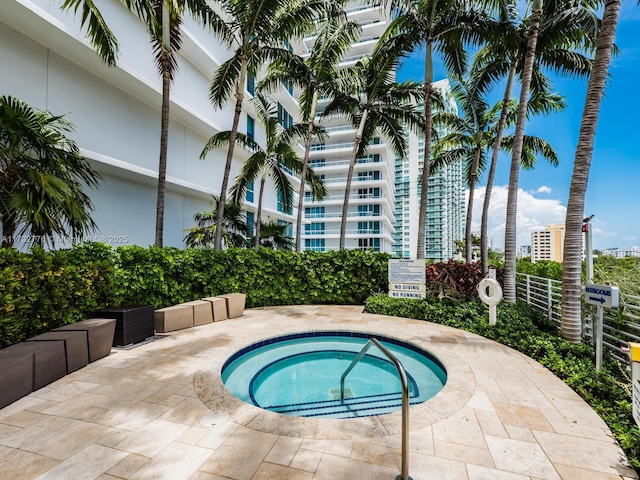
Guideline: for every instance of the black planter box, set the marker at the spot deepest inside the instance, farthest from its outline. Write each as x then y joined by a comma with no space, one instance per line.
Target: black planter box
134,324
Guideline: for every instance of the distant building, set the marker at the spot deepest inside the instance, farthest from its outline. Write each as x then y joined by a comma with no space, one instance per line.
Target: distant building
524,251
445,205
622,252
548,244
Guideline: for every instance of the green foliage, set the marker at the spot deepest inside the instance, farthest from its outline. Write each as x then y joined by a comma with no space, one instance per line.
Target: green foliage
623,272
528,331
543,268
43,290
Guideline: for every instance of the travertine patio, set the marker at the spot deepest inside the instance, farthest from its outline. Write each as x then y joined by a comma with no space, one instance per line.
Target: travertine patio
160,411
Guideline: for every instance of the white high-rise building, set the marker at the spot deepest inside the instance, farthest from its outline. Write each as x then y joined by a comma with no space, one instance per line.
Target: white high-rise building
445,208
47,63
371,204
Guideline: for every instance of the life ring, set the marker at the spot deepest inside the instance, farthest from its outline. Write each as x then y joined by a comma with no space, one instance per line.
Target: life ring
490,291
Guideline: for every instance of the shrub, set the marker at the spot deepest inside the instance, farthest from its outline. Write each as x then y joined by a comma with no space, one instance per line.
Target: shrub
43,290
455,279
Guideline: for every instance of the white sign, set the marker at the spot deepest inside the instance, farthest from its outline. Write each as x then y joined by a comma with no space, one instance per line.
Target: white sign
407,271
408,287
601,295
406,294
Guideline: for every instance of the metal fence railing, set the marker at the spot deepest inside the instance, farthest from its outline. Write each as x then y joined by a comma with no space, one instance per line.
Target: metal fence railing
620,325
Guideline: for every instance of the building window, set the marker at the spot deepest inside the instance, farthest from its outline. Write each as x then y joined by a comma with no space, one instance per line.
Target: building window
373,175
251,127
250,192
282,207
368,227
288,86
284,118
314,244
251,222
369,244
314,212
251,83
368,210
315,228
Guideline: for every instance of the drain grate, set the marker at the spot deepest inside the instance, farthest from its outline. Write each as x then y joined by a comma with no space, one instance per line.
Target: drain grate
334,393
213,419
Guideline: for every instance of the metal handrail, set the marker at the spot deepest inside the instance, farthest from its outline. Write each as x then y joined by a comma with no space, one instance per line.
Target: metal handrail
405,399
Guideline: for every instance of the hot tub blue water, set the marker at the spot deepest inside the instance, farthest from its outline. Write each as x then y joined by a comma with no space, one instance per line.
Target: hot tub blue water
300,375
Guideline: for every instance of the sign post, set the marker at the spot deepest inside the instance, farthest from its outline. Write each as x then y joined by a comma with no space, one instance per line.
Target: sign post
602,296
407,279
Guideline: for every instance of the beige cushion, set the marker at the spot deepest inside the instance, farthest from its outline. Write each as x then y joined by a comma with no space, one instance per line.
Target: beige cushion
173,318
235,304
202,313
218,308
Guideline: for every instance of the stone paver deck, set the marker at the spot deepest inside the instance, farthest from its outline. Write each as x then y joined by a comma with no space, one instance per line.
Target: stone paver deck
160,411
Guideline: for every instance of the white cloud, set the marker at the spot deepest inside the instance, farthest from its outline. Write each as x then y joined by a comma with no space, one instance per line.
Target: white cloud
533,214
544,189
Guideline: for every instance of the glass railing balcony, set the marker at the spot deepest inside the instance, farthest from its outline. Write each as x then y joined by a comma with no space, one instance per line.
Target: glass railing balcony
369,22
342,163
340,128
335,146
353,58
360,8
367,39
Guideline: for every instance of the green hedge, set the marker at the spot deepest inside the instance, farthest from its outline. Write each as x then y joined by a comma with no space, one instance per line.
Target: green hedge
527,330
43,290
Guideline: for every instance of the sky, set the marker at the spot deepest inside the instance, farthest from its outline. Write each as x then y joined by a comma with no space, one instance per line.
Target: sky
613,192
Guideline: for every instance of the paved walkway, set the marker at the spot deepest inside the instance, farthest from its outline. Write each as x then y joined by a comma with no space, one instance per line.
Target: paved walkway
159,411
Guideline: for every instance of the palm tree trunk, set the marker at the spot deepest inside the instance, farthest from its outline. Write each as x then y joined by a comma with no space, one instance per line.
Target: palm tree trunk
422,219
305,163
484,248
164,140
512,198
352,165
571,323
217,241
468,244
256,242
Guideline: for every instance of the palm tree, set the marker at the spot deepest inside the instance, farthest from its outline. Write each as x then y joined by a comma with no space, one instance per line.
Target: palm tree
443,26
235,229
571,323
567,32
255,33
274,236
162,19
516,154
469,138
472,136
314,77
271,161
374,103
42,174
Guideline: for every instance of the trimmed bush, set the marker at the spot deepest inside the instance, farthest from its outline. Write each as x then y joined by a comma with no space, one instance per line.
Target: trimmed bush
44,290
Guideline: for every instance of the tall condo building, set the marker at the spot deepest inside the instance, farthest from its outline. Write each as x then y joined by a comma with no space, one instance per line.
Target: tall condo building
548,244
371,204
446,198
47,63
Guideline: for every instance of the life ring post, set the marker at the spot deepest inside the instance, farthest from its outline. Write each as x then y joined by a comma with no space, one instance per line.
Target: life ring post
490,292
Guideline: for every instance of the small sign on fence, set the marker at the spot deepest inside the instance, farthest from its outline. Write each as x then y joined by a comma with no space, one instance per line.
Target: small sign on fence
604,296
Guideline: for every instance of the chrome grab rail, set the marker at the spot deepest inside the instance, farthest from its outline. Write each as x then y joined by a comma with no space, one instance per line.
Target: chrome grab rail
405,399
